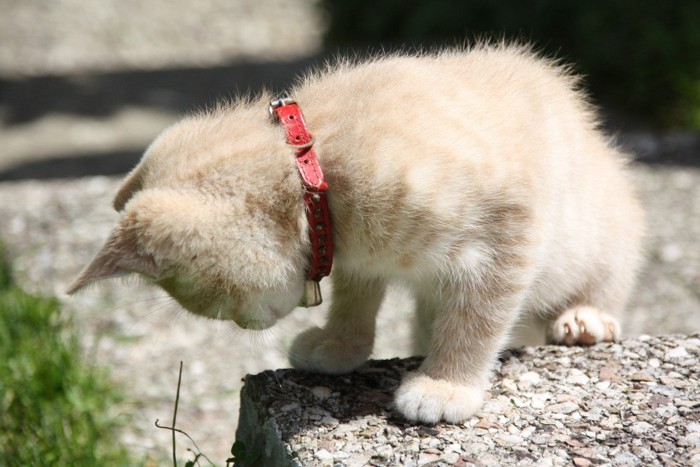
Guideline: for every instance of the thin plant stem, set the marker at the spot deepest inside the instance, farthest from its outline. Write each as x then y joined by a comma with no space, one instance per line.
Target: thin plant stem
199,451
177,401
176,430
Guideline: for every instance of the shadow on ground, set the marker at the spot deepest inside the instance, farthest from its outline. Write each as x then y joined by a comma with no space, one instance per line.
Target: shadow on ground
178,91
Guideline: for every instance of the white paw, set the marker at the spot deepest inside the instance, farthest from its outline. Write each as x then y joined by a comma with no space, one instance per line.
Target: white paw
584,325
421,398
318,350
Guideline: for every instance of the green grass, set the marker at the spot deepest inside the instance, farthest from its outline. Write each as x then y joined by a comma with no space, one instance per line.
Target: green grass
54,408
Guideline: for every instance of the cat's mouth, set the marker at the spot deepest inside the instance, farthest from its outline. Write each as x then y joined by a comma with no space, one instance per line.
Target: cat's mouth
261,321
254,324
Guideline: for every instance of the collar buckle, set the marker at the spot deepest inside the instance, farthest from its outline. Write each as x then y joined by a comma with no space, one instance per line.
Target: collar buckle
276,104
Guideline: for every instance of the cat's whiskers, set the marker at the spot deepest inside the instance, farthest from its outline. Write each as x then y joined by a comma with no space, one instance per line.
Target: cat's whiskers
254,339
164,303
159,303
286,351
159,297
228,330
265,337
228,333
218,324
159,307
177,313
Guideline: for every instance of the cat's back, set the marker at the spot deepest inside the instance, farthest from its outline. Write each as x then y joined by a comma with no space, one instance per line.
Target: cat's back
483,79
498,110
492,101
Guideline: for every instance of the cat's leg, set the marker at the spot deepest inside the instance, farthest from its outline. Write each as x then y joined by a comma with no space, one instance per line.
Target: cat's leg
422,327
594,312
469,328
346,341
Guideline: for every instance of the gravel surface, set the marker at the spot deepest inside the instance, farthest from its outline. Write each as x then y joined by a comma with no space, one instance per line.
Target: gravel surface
631,403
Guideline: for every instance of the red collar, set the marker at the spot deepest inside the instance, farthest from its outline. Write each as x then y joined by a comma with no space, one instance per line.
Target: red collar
287,112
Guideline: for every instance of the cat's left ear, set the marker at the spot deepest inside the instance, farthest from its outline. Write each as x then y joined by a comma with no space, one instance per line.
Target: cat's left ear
131,184
118,257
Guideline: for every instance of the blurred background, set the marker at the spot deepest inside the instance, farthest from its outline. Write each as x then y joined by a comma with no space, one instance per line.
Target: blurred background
85,86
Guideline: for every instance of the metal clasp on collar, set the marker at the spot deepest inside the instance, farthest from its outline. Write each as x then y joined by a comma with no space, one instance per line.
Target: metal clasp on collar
277,103
312,294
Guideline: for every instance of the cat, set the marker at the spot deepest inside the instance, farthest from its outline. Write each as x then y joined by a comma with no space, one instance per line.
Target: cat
478,177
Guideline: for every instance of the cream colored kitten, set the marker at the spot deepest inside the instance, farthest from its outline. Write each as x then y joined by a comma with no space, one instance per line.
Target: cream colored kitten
478,178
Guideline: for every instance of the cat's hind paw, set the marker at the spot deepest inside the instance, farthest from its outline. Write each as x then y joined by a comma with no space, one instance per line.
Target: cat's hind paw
319,350
421,398
584,325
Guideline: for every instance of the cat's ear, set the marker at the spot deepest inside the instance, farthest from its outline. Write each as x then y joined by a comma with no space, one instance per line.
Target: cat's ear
131,184
118,257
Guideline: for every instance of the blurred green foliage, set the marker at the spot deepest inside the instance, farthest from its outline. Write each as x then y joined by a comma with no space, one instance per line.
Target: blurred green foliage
54,409
640,56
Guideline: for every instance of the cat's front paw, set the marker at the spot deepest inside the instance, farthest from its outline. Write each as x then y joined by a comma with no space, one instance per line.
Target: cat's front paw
319,350
421,398
584,325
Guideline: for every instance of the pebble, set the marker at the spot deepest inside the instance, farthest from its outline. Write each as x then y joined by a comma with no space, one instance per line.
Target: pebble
425,458
626,458
673,420
321,392
518,402
693,439
539,401
663,389
642,377
451,458
384,451
507,438
323,454
676,353
528,379
577,377
454,447
608,374
509,385
641,428
290,407
412,446
330,421
563,408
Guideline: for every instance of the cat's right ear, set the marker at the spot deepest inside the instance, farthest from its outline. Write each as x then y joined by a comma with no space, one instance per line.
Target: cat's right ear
131,184
119,256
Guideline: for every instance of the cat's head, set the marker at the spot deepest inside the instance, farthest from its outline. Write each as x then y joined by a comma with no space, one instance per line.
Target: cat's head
213,214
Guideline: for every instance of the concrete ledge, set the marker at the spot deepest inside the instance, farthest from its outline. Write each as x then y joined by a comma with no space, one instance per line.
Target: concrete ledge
632,403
